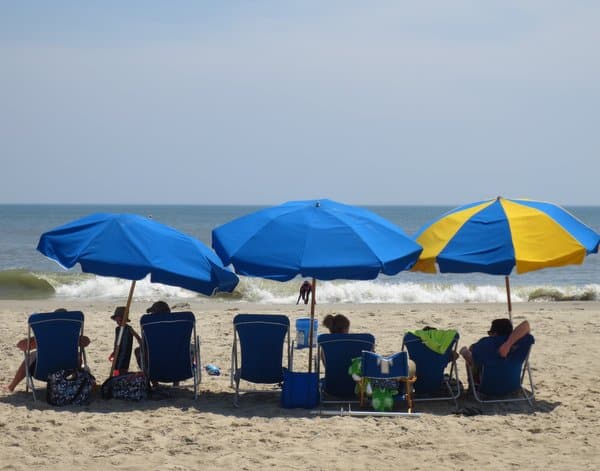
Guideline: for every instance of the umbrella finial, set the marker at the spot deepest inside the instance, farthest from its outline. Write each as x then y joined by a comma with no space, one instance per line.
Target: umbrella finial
498,198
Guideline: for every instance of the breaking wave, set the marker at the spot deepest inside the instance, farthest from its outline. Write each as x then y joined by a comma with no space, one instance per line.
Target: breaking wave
22,284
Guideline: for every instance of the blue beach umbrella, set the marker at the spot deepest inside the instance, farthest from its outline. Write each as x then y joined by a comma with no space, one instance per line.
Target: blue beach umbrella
131,247
321,239
501,236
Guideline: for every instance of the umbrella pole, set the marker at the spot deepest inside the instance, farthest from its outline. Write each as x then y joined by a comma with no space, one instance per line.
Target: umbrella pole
128,305
122,329
310,330
507,282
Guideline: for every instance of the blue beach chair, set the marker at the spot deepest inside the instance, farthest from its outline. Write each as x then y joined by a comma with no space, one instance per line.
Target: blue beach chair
171,348
261,339
57,338
433,383
393,367
500,379
337,352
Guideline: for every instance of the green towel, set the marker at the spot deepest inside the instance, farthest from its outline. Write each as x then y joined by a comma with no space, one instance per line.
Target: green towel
436,340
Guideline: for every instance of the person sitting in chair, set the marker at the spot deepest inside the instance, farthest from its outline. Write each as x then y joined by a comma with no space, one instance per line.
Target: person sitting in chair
159,307
338,324
30,342
499,327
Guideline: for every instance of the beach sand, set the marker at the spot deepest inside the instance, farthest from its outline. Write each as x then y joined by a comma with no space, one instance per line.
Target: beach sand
179,433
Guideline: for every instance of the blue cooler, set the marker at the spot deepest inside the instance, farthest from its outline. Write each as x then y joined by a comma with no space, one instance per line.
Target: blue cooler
303,332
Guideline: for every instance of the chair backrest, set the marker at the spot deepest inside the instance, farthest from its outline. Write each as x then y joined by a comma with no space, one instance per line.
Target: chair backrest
500,376
377,366
337,352
429,364
262,337
166,339
57,338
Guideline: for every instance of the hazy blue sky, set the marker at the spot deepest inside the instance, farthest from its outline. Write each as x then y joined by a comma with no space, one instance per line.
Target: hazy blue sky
267,101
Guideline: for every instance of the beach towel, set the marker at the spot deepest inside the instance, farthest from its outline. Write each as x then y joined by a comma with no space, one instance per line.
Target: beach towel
436,340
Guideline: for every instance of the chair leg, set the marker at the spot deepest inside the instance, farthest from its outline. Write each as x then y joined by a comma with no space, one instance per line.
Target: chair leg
236,398
30,379
361,388
196,380
451,392
409,400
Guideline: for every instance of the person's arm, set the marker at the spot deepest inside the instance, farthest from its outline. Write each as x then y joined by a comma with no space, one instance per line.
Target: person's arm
467,354
517,334
22,344
136,335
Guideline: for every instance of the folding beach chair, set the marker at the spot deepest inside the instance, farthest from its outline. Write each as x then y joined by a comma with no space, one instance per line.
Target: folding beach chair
261,339
433,383
501,379
171,348
337,352
377,368
57,338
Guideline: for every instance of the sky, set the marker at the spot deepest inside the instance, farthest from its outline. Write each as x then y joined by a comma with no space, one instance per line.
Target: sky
261,102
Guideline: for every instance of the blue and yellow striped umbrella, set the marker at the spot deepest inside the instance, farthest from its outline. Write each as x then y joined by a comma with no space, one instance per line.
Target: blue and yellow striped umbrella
501,235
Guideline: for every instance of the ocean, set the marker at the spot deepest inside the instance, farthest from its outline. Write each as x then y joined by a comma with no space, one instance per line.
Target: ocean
27,274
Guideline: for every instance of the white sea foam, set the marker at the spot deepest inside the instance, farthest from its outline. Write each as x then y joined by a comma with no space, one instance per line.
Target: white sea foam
258,290
268,292
374,292
105,287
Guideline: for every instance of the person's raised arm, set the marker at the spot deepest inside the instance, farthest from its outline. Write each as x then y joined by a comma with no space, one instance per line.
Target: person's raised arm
517,334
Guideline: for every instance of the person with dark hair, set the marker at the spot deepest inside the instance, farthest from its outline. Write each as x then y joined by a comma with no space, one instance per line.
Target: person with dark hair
305,291
30,343
121,365
158,307
338,324
499,328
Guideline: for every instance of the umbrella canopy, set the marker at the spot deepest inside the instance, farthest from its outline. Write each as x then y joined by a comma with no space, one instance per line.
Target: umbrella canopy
131,247
322,239
501,235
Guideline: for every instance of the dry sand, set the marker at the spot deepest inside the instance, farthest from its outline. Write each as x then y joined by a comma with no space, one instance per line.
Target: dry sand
180,433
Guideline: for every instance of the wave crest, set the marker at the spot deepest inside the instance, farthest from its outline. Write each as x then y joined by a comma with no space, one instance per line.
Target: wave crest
21,284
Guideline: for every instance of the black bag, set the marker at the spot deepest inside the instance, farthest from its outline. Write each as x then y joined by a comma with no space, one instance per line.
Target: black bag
128,386
69,387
